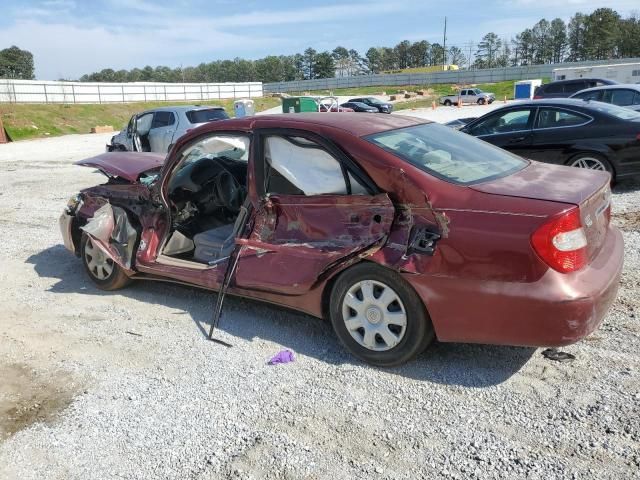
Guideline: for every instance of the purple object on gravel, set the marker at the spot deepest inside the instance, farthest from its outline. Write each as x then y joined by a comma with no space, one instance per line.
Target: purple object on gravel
284,356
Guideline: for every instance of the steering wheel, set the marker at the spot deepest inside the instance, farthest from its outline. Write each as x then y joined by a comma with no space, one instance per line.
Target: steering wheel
229,192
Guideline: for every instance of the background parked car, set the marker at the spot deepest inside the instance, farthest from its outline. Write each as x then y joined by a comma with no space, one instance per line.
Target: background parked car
566,88
458,123
156,130
621,95
383,107
468,95
359,107
571,132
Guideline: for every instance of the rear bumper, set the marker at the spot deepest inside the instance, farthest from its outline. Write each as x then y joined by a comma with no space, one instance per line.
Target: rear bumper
556,310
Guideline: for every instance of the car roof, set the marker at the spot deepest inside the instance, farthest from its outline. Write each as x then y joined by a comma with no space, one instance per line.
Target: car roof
183,108
552,102
354,123
574,80
631,86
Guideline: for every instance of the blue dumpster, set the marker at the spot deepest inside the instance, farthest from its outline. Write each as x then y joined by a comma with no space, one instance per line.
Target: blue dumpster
524,89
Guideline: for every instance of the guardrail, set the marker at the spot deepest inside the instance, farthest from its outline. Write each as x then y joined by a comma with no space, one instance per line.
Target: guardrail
33,91
488,75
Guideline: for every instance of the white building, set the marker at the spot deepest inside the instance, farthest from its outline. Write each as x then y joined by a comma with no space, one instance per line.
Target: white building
621,73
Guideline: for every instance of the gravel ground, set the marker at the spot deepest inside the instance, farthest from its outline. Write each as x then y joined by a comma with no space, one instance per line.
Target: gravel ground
99,385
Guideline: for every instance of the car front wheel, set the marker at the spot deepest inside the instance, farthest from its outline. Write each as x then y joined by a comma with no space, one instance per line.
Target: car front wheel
447,103
481,101
378,316
104,272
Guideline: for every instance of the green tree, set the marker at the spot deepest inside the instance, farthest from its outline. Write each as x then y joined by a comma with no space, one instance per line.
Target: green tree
558,39
541,42
576,32
488,51
601,34
342,61
457,57
324,65
309,61
374,60
436,54
418,53
403,56
16,63
628,44
524,48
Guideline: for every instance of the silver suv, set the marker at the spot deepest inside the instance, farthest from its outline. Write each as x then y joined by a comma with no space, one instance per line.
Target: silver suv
158,129
621,95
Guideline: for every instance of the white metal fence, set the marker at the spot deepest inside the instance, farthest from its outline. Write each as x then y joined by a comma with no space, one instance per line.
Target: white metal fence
488,75
34,91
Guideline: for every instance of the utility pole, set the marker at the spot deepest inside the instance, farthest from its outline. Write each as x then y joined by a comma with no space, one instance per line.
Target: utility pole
444,45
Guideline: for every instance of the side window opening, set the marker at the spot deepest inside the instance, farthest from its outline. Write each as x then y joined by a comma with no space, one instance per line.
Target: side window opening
162,119
552,118
299,166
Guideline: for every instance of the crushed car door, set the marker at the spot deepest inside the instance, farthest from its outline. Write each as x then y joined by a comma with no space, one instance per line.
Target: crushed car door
316,212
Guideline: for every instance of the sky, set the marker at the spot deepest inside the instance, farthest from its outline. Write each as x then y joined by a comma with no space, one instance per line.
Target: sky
69,38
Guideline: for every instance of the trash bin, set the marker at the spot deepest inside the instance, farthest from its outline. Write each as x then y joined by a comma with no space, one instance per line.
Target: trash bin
299,104
244,108
524,89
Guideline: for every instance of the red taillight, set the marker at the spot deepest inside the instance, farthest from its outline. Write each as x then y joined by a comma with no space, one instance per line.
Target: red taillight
537,97
561,242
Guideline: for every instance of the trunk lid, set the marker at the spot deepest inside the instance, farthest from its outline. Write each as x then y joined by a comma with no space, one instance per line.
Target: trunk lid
587,189
125,165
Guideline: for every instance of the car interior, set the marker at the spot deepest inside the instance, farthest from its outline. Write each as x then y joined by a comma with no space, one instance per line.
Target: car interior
142,127
208,190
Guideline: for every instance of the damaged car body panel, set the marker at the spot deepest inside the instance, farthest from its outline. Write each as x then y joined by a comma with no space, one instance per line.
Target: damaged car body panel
377,223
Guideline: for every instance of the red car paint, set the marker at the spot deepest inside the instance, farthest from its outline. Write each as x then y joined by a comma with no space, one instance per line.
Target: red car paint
126,165
485,283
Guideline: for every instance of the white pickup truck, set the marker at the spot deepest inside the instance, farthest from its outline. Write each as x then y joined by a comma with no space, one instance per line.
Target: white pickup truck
468,95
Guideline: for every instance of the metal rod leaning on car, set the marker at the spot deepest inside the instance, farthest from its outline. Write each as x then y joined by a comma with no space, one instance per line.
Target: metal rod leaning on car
217,310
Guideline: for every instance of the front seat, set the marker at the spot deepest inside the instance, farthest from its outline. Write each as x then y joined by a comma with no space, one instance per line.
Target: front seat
218,243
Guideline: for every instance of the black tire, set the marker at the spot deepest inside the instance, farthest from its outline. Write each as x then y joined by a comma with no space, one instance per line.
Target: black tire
481,101
447,103
418,332
116,280
589,156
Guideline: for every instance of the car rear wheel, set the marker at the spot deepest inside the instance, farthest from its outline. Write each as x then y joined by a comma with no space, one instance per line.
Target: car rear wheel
481,101
378,316
104,272
591,161
447,103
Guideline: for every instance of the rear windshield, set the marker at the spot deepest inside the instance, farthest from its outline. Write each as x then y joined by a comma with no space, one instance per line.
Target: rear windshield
448,154
615,111
208,115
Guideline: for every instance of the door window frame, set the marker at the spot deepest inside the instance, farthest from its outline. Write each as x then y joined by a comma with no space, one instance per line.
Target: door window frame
535,127
530,122
347,165
173,120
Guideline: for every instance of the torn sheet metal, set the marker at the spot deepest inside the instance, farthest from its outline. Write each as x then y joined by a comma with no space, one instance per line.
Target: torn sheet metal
114,234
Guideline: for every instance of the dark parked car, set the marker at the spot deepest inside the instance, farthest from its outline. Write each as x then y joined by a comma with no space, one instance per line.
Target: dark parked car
458,123
383,107
566,88
395,229
621,95
592,135
359,107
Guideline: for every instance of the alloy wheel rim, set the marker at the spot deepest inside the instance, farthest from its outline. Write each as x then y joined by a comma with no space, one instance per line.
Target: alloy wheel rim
100,266
589,163
374,315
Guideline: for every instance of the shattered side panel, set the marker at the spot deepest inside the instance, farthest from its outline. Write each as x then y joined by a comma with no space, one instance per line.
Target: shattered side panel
296,239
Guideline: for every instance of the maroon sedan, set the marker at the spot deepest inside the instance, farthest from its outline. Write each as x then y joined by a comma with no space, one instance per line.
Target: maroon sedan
395,229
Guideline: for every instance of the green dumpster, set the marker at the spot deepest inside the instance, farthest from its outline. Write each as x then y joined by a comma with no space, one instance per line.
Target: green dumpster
299,104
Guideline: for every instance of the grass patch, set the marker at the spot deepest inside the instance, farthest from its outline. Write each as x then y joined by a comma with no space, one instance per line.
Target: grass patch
501,89
62,119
